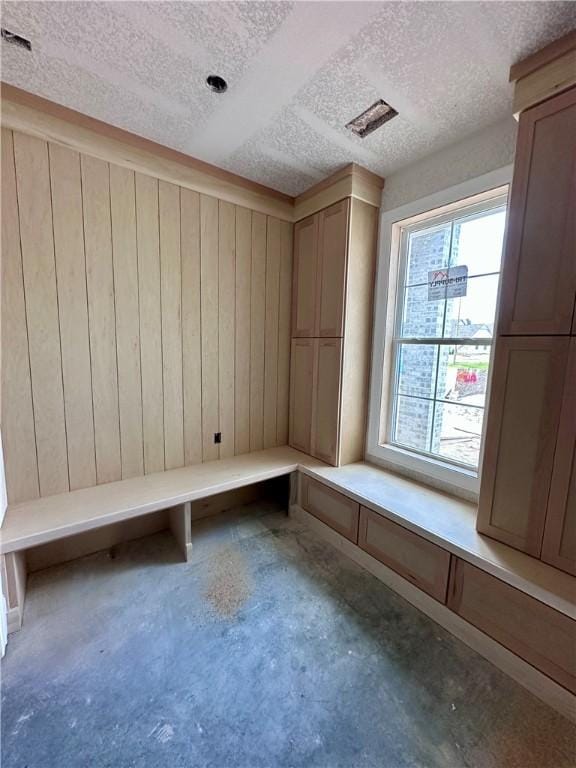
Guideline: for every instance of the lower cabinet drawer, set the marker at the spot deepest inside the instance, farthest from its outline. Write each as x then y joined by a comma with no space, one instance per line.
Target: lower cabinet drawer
539,634
333,508
413,557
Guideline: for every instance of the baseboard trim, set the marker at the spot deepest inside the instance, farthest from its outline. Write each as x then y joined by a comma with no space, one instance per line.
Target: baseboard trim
523,673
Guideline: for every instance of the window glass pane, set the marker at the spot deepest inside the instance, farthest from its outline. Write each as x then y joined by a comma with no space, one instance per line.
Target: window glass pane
463,374
422,318
457,433
439,390
417,369
413,422
473,315
477,242
428,249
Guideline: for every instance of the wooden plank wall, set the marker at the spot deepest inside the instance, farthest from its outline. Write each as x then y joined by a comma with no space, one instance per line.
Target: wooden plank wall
138,319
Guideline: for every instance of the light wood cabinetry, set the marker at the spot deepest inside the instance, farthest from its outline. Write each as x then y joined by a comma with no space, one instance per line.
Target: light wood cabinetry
419,561
542,636
539,274
559,545
332,253
521,438
528,488
522,605
301,393
333,508
325,411
305,277
334,260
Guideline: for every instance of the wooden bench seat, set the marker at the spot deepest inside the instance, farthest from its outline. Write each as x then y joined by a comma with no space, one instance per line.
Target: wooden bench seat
36,522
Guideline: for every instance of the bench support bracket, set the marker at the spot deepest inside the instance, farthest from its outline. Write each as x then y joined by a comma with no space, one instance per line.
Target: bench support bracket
181,527
13,565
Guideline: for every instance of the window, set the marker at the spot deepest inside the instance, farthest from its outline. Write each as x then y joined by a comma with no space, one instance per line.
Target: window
442,291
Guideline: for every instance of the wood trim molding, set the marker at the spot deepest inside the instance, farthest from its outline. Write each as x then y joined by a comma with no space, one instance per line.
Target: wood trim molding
350,181
542,57
34,115
31,114
544,74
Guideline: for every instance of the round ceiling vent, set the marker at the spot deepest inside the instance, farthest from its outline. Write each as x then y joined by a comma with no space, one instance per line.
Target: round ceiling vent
216,83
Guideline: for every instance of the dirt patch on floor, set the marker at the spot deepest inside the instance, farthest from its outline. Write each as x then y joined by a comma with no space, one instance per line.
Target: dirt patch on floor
229,584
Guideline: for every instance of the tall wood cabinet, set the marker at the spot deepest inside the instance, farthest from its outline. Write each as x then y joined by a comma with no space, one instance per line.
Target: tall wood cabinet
539,277
559,544
334,262
528,489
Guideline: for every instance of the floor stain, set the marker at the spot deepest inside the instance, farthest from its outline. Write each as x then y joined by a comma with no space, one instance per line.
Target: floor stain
229,584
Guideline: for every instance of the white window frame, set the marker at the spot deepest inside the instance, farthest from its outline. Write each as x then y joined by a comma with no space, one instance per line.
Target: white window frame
444,474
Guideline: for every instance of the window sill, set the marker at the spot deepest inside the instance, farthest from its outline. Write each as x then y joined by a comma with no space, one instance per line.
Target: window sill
450,523
440,474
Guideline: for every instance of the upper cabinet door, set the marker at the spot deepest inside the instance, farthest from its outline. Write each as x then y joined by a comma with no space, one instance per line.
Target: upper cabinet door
539,274
527,387
559,547
332,253
305,277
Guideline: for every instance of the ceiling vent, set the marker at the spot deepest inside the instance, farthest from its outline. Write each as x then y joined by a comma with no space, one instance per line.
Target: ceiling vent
373,117
15,39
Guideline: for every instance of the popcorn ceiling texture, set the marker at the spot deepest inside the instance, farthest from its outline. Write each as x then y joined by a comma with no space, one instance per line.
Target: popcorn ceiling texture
483,152
297,73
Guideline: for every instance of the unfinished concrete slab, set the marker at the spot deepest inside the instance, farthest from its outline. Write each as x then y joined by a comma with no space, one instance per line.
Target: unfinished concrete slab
269,648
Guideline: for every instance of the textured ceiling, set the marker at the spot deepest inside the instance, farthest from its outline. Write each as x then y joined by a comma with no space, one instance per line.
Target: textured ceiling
297,73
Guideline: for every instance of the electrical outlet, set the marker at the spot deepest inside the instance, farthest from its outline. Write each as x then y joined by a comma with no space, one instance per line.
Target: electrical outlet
217,437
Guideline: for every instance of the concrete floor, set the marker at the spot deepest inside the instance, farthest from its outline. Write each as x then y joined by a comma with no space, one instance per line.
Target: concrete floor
269,649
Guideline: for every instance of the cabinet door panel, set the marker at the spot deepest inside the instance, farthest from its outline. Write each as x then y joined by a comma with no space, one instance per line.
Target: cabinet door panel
413,557
305,277
521,438
542,636
559,546
301,388
326,408
333,508
332,253
539,274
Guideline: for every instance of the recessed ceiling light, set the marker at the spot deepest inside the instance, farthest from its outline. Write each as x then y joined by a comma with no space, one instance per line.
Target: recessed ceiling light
12,37
216,83
373,117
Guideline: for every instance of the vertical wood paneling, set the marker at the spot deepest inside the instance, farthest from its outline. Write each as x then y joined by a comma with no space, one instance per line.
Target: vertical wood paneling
271,331
209,308
73,312
139,319
257,321
18,437
101,317
35,209
242,353
284,317
123,207
191,339
171,283
148,247
226,323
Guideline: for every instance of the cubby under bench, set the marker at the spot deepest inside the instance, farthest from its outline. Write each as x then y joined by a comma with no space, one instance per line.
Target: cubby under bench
34,523
513,609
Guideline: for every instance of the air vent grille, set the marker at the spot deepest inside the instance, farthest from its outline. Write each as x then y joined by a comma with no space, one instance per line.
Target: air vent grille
373,117
14,39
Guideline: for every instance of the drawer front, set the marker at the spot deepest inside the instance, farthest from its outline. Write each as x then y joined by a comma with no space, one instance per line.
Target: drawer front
542,636
333,508
419,561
